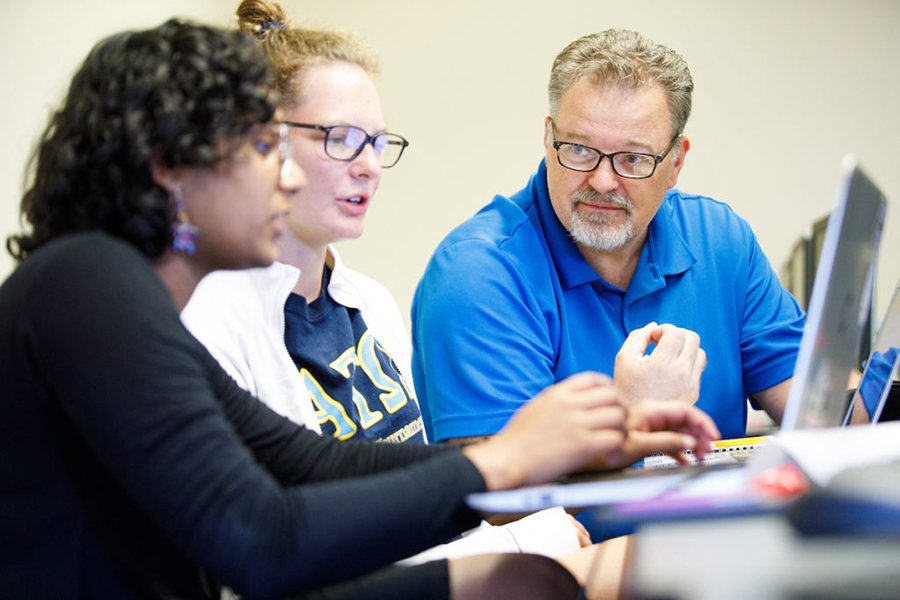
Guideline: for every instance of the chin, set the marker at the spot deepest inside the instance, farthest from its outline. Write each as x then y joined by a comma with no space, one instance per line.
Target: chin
352,232
262,259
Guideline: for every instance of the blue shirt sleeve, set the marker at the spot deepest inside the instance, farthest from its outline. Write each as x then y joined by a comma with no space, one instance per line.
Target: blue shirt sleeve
482,346
772,326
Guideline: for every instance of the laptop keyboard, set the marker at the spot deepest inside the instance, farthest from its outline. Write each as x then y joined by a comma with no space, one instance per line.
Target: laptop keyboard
724,451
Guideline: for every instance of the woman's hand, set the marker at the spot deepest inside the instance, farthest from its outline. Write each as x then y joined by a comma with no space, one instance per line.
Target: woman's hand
662,427
563,428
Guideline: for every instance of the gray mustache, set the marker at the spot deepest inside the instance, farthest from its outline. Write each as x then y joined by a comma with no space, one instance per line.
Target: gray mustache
594,197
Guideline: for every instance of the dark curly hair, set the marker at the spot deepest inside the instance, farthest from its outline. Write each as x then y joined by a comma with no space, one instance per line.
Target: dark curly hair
180,94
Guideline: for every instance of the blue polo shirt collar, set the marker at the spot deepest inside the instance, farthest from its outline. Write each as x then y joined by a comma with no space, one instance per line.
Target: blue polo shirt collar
666,252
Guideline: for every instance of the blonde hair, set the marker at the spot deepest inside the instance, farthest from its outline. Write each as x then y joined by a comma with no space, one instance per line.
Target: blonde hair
622,57
292,49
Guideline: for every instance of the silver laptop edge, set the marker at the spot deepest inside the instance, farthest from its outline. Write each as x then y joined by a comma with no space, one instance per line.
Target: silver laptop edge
838,306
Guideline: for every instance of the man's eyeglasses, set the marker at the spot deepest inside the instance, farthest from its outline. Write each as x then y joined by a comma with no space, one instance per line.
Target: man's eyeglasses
631,165
346,142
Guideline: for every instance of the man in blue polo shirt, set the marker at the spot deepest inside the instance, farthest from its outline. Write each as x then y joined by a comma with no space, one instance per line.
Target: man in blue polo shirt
600,264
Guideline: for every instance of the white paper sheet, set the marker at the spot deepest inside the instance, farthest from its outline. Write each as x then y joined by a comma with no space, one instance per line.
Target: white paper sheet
823,453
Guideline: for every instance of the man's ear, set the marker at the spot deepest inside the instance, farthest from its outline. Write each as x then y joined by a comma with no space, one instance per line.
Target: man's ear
684,144
548,123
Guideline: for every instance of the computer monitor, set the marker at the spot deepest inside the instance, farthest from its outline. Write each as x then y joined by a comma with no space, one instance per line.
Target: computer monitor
796,274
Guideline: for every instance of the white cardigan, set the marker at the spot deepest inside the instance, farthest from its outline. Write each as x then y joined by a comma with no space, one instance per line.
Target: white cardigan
239,317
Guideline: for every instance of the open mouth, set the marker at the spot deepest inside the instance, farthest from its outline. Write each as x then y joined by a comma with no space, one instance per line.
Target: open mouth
356,205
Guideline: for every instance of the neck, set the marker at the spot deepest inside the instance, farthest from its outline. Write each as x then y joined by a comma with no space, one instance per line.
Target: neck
180,276
615,266
310,259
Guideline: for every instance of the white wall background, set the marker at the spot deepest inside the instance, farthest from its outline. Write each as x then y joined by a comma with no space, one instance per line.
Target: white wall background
783,89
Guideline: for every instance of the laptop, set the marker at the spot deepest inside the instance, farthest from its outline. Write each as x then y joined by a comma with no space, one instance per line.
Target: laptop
818,398
839,305
836,320
881,368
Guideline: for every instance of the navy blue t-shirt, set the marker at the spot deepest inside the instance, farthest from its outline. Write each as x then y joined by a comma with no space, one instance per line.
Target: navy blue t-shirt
354,384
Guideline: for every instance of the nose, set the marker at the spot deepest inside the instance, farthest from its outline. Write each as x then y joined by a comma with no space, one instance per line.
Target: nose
604,178
292,177
367,164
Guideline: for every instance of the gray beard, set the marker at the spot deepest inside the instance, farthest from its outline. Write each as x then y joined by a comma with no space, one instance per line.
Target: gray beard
597,231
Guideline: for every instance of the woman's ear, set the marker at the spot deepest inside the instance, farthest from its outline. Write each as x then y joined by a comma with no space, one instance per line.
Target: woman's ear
168,178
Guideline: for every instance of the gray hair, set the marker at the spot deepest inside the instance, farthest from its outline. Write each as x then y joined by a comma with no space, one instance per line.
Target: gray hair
623,57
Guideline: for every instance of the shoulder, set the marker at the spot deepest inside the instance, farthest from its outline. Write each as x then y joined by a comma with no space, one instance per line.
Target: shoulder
501,222
353,289
100,290
91,264
86,251
706,222
251,291
502,234
350,282
702,210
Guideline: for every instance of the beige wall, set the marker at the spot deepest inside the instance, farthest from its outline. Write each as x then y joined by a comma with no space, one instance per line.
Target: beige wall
42,43
783,89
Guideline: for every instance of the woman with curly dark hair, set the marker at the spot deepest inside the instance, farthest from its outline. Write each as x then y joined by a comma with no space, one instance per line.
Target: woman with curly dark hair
132,465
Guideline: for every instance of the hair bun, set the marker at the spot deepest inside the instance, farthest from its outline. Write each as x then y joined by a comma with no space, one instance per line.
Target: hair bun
259,17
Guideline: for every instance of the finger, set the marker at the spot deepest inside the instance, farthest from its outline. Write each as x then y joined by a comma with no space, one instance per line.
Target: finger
680,457
658,416
660,442
699,367
606,443
584,538
662,329
690,349
596,396
670,343
680,417
653,415
702,448
606,418
702,424
638,340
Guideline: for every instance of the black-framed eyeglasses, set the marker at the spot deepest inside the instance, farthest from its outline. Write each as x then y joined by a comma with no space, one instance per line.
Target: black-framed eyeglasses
631,165
346,142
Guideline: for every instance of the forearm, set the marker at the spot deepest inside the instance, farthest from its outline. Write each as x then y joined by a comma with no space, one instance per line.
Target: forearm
333,531
774,400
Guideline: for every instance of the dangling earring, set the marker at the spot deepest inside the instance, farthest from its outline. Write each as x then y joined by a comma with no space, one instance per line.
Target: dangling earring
183,233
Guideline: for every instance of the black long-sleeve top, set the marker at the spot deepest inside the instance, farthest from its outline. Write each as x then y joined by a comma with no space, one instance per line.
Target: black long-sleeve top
131,465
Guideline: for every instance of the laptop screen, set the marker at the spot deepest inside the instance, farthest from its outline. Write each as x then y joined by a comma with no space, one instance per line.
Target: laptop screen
839,304
881,369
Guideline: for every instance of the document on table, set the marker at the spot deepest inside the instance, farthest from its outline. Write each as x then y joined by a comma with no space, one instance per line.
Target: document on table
823,453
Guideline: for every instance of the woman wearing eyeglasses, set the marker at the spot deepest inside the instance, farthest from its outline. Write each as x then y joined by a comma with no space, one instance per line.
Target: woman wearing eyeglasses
310,328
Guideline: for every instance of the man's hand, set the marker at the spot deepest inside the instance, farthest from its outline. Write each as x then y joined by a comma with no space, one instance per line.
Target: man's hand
671,371
561,429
